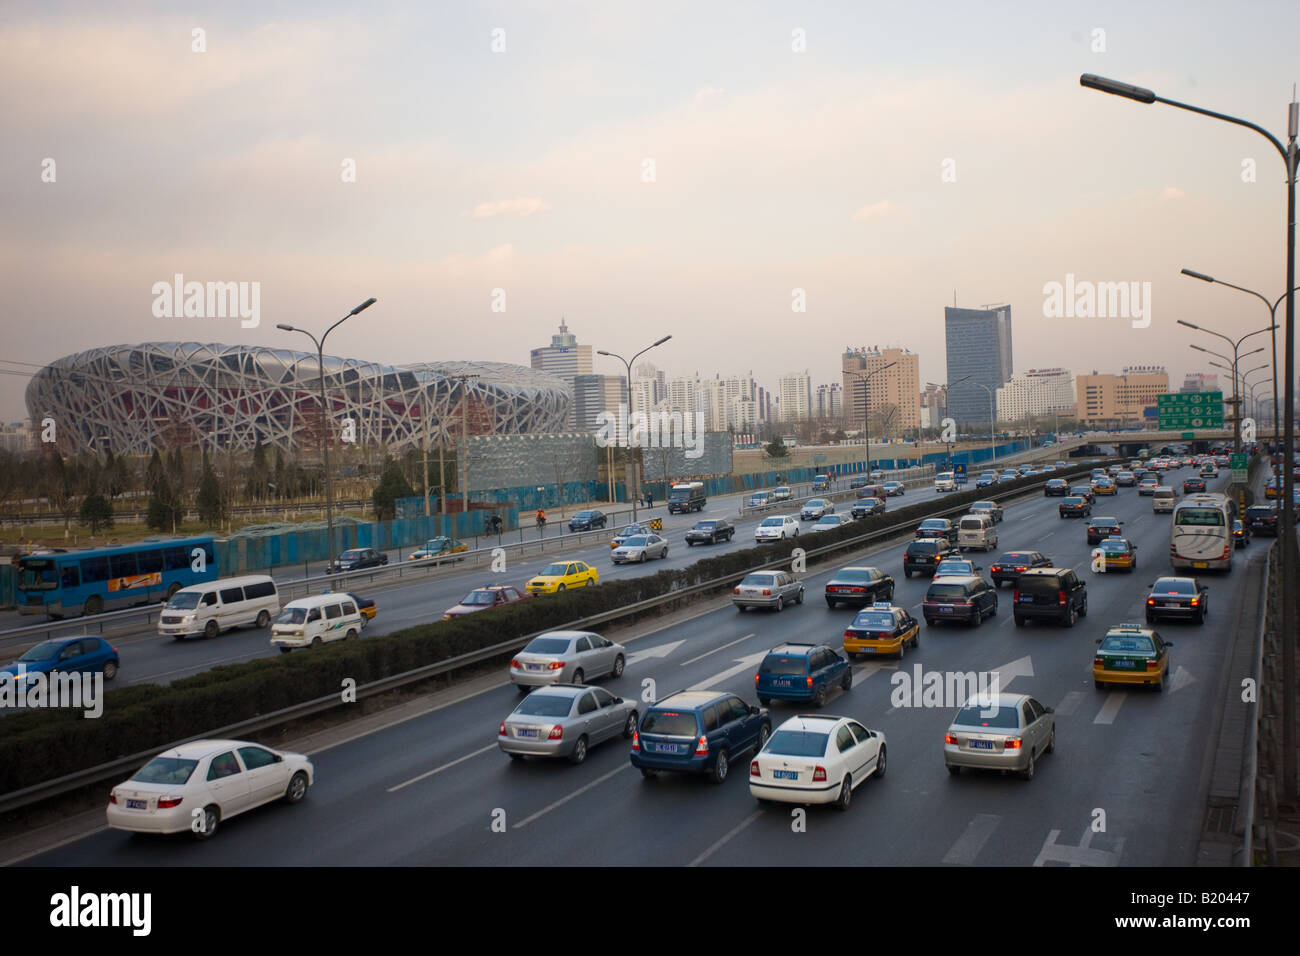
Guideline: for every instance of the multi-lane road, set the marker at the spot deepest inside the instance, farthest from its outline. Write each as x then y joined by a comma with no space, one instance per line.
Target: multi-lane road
1125,786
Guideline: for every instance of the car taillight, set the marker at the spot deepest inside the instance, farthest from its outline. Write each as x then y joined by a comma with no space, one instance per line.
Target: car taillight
1011,743
1099,662
514,663
809,680
819,774
753,769
702,746
1226,551
996,568
1015,596
849,635
1196,602
1153,665
557,733
1060,599
501,731
636,742
166,803
735,591
1020,569
555,666
767,592
1151,601
949,739
112,797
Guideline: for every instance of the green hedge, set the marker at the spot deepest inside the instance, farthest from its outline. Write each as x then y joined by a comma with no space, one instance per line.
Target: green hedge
42,745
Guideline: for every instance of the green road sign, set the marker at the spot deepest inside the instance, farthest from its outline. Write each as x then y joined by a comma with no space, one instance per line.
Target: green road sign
1189,435
1188,400
1237,461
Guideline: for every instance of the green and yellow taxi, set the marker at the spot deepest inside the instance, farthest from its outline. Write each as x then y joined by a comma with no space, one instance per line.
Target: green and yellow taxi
879,629
562,576
1118,553
1131,654
1104,486
437,547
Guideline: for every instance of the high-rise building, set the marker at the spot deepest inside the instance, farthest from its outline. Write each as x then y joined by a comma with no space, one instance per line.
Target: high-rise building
1038,392
593,394
897,385
829,402
795,391
1120,399
649,386
979,350
931,401
566,360
1201,382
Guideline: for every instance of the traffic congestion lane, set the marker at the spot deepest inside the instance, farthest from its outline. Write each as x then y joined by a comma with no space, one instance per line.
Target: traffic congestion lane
456,830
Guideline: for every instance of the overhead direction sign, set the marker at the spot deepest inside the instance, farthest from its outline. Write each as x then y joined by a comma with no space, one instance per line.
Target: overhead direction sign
1182,410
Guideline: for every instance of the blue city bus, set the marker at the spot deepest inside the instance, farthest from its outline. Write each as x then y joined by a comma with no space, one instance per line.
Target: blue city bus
89,581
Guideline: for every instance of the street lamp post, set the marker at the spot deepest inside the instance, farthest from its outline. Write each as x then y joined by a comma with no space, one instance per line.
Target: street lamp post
866,405
1290,158
1232,370
324,415
992,447
628,363
944,389
1236,360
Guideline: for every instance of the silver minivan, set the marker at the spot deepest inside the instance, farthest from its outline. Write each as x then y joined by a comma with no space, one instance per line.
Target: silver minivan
1163,500
208,609
976,531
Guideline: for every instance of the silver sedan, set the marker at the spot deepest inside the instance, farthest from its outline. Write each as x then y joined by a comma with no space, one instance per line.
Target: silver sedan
774,589
565,720
560,657
1000,732
640,547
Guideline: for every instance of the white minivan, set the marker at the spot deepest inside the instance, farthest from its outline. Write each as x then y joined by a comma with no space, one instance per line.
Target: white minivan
976,531
209,609
316,619
945,481
1163,499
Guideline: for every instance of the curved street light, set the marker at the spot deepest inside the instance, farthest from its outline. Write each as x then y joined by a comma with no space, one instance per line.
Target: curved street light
866,405
636,487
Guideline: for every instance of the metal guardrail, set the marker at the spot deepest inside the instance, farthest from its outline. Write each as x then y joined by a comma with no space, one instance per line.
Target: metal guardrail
112,769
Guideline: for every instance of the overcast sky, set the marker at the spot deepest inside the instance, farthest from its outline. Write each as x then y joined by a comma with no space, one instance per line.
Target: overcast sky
524,170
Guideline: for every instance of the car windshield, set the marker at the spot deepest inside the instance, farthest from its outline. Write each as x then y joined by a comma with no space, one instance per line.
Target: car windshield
1013,557
955,567
435,544
875,621
1103,523
772,523
815,503
946,592
1114,547
1259,511
1173,586
545,705
851,576
554,570
983,506
1129,643
46,651
636,541
923,547
759,580
705,525
1199,516
547,645
671,723
478,598
631,530
784,665
292,615
988,714
350,556
828,520
935,524
581,515
184,601
166,770
797,743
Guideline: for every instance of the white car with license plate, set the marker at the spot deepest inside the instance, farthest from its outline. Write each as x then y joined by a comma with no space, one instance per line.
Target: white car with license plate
776,528
816,758
194,787
566,657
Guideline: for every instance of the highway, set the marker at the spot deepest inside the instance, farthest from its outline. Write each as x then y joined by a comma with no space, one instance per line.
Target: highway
427,790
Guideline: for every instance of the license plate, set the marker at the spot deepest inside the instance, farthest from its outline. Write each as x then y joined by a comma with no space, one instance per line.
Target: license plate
980,744
782,683
1200,564
945,610
868,650
1122,665
664,748
1026,599
525,732
137,805
1171,604
785,774
534,667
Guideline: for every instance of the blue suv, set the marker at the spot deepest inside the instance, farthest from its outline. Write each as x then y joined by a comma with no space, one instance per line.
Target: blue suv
796,671
698,731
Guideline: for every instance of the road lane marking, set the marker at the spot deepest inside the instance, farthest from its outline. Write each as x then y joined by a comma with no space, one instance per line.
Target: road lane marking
1180,679
1081,855
1114,701
716,649
726,839
446,766
662,650
866,670
1069,704
577,793
972,840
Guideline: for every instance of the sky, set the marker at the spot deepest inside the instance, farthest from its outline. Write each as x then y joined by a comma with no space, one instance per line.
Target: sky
691,169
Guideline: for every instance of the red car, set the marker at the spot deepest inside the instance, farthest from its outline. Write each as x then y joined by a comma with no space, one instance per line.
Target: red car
481,599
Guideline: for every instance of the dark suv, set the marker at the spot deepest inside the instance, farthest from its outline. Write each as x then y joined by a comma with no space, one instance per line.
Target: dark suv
969,599
799,671
924,555
1050,594
698,731
1262,519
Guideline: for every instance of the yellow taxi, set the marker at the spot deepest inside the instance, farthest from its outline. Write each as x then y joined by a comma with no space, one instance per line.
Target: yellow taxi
563,576
1271,490
1131,654
436,547
1105,486
1116,553
881,628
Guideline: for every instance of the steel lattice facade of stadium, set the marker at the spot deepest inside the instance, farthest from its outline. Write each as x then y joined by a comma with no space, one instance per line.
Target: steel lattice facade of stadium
134,398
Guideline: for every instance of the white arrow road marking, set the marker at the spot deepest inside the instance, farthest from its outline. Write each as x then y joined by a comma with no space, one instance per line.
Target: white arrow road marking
1020,667
1180,679
1081,855
663,650
1114,701
716,649
969,844
742,664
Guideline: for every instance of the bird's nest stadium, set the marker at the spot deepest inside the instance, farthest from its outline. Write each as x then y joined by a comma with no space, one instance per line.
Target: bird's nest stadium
135,398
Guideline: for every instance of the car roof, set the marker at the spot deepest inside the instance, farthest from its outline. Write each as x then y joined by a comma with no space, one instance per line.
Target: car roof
568,634
1043,572
1002,700
198,749
315,600
690,699
794,648
955,579
816,723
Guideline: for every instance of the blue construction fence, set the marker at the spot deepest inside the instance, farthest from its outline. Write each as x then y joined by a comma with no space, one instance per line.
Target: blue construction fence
8,585
531,497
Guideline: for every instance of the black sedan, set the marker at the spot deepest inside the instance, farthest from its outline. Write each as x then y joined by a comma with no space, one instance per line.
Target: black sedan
711,531
865,507
1084,491
1056,486
587,520
1075,506
1193,485
1177,599
1011,565
1100,529
358,559
860,586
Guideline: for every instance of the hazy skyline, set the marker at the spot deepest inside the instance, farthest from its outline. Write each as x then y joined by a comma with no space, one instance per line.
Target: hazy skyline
904,157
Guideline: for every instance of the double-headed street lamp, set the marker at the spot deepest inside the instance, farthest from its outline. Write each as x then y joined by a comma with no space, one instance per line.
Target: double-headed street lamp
1236,360
866,405
324,418
1231,369
631,492
1291,159
993,448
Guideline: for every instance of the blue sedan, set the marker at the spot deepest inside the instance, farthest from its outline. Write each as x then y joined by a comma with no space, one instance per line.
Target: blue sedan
67,654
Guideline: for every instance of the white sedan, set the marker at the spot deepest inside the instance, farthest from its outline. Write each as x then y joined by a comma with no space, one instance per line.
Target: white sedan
197,785
816,759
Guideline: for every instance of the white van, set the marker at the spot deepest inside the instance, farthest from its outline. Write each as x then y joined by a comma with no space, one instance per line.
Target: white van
313,620
976,531
1163,499
945,481
208,609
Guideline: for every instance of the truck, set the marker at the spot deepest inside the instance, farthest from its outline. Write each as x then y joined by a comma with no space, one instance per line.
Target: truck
686,496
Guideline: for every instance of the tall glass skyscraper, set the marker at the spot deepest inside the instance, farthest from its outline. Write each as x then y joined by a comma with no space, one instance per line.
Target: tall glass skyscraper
979,345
